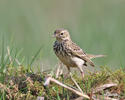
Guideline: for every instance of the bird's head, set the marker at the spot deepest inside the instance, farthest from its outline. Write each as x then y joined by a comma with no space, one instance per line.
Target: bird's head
61,35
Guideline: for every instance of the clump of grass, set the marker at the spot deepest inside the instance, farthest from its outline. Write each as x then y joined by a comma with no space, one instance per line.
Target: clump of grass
20,82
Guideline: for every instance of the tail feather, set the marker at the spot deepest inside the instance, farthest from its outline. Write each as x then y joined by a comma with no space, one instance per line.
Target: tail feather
95,56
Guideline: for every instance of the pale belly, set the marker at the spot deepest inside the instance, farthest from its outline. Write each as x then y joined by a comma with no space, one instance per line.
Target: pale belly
71,61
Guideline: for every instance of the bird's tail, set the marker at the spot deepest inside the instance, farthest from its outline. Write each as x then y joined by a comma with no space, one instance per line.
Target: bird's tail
95,56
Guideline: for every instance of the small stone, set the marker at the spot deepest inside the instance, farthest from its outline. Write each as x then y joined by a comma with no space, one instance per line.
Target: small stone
40,98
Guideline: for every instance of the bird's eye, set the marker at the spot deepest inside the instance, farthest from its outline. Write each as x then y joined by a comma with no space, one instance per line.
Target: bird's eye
61,33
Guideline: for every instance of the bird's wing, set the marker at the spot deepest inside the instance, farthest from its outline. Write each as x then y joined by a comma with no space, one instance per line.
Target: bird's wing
77,51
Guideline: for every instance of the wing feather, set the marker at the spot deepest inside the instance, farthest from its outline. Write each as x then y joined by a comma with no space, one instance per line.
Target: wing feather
77,51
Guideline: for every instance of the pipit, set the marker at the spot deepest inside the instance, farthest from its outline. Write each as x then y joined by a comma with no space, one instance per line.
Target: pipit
69,53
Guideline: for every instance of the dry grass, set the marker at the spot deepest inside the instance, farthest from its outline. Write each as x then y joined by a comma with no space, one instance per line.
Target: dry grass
20,84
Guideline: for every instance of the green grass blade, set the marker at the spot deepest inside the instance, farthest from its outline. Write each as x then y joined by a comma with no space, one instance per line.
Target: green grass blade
2,55
35,56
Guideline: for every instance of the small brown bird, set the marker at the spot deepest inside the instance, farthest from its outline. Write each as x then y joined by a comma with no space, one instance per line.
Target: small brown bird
69,53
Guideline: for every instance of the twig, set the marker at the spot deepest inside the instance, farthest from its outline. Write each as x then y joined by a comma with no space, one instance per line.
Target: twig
104,87
65,86
101,97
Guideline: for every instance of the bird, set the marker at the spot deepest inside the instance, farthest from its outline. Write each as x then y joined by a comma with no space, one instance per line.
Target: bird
69,53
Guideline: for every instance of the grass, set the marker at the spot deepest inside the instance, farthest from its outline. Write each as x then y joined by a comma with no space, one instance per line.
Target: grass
18,82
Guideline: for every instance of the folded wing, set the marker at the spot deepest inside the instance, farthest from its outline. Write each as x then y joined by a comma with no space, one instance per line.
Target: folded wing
78,52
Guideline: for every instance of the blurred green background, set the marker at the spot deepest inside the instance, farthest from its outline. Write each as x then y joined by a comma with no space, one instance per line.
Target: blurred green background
98,26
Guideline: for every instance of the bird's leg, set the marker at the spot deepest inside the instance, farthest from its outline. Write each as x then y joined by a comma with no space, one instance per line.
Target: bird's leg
75,82
82,75
59,70
68,73
81,70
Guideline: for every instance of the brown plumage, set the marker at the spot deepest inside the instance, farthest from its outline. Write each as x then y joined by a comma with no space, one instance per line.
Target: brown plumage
69,53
